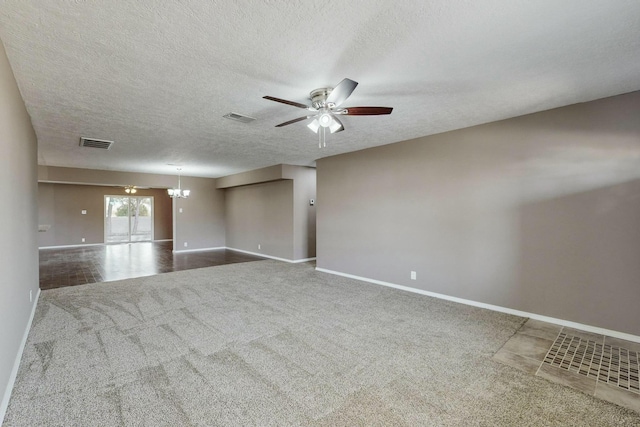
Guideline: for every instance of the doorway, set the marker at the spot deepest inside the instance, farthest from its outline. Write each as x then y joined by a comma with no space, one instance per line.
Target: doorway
128,219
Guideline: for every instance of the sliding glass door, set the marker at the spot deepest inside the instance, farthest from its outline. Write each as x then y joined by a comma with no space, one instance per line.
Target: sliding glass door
128,219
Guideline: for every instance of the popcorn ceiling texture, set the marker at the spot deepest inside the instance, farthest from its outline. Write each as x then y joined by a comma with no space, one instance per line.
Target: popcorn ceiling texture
157,76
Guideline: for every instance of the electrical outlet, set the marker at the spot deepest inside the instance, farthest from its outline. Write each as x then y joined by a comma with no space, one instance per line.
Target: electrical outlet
83,240
186,244
413,275
180,210
259,245
30,296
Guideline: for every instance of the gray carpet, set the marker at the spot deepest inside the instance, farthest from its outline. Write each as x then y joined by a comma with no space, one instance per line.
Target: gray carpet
270,343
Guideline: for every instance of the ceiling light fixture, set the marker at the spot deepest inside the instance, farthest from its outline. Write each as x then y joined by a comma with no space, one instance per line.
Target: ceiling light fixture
130,189
325,120
178,193
320,124
314,125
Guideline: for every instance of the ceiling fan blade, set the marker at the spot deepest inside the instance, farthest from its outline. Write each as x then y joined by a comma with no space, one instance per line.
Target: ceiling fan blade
284,101
367,111
341,92
299,119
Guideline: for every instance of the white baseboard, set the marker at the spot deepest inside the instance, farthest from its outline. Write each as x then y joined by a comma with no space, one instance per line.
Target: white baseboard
561,322
197,250
296,261
71,246
100,244
292,261
16,364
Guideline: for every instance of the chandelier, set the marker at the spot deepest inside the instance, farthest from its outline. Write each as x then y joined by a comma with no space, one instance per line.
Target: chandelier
178,193
130,189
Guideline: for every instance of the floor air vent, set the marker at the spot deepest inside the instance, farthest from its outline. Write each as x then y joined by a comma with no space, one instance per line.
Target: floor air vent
95,143
238,117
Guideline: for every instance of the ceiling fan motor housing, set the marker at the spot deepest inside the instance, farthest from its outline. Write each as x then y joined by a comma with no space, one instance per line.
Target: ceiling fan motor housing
319,98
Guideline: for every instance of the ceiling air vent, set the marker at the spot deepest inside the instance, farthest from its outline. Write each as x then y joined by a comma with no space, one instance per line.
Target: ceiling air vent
95,143
239,117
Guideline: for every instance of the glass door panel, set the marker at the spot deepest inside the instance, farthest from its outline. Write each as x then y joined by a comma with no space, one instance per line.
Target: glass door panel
116,225
141,219
128,219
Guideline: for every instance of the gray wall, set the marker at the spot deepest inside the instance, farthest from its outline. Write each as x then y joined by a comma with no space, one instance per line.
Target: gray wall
539,213
261,214
60,206
18,223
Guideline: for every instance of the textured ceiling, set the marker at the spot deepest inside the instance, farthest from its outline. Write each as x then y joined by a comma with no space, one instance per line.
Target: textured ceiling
157,76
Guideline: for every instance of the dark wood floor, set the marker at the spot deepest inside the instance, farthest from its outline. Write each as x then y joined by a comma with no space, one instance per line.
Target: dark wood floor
93,264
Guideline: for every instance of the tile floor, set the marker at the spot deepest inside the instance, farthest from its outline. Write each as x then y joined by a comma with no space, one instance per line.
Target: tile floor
599,365
103,263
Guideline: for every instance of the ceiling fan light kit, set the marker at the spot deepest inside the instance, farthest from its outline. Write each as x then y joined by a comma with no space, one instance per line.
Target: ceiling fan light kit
325,103
325,120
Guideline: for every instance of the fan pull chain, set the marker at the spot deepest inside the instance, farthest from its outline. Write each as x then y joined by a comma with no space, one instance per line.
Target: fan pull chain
322,137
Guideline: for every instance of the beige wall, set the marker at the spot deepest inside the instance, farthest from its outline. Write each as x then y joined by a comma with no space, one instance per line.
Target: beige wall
18,224
304,215
256,176
261,214
200,224
60,206
57,174
270,207
539,213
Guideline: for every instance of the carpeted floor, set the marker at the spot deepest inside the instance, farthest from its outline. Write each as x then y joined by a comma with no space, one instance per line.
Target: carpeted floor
270,343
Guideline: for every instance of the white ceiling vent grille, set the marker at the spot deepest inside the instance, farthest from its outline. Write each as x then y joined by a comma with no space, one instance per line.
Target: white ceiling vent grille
239,117
95,143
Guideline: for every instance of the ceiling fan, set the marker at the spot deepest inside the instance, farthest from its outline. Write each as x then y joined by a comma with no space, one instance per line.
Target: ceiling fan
325,106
